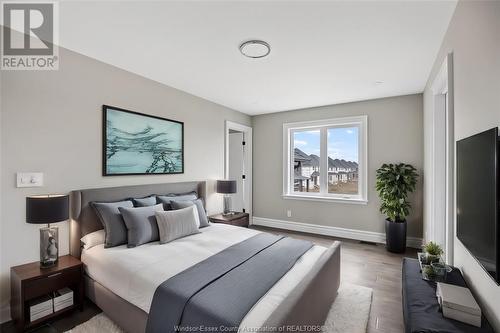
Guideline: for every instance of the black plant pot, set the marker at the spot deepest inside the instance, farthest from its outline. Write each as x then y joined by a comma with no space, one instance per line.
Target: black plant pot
395,236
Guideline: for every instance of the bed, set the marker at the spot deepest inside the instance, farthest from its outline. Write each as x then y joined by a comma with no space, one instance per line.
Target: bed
122,281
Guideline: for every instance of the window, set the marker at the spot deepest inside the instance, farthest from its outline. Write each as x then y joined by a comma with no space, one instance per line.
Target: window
326,160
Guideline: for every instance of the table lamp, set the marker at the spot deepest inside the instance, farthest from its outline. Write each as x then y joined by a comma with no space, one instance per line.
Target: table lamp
46,209
226,187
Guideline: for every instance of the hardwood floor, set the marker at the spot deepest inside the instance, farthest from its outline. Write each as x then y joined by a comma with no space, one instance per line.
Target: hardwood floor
364,264
369,265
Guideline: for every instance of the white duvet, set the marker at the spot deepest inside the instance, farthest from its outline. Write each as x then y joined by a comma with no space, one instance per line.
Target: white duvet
135,273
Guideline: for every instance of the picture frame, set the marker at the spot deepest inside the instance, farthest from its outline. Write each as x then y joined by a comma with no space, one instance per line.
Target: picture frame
136,143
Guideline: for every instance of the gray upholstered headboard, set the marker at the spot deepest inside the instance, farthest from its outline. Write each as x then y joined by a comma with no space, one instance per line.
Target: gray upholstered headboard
84,219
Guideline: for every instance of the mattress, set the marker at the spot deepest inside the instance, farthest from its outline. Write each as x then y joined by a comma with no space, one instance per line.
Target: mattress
135,273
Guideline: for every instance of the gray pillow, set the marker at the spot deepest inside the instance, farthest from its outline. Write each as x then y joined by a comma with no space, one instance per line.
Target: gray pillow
112,221
199,205
174,224
166,199
141,224
144,202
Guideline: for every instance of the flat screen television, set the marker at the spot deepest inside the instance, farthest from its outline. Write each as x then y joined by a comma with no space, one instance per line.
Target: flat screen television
478,189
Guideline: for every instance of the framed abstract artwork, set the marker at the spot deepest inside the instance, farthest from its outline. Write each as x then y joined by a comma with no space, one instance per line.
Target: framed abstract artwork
139,144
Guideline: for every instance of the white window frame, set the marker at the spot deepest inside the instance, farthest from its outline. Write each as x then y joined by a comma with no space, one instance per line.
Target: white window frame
323,125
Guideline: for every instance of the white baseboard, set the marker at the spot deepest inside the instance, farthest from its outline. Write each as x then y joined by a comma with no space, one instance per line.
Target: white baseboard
5,313
367,236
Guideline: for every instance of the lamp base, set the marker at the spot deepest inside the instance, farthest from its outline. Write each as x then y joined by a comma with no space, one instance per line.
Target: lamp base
49,246
227,205
48,264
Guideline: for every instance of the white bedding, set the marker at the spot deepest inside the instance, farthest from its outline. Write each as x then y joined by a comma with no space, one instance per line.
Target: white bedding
135,273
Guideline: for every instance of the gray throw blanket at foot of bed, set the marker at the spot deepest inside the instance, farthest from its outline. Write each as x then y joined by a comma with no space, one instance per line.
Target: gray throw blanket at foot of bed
216,294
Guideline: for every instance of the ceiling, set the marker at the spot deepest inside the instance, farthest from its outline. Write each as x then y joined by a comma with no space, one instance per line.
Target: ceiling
321,52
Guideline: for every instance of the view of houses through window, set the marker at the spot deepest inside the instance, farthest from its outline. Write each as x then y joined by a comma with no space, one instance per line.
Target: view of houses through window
342,154
343,160
306,160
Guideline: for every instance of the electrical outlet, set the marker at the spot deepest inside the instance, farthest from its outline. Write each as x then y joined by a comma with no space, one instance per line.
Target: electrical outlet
288,213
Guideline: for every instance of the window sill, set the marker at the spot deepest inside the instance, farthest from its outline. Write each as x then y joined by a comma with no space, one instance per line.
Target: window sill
325,199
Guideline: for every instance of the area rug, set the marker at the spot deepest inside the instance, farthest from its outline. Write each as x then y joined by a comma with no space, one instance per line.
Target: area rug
348,314
350,311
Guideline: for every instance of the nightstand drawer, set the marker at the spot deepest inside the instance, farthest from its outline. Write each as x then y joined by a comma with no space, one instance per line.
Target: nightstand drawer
238,219
241,222
43,285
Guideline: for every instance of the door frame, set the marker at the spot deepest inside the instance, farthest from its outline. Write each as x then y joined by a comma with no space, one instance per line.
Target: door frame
247,130
442,224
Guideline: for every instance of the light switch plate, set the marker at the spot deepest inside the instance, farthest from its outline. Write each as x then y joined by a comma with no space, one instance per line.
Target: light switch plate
29,179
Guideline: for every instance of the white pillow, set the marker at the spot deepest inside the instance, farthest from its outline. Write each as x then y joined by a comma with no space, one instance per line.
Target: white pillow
93,239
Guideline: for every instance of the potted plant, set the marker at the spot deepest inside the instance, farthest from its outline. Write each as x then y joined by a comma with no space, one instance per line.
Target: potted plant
428,273
432,253
394,183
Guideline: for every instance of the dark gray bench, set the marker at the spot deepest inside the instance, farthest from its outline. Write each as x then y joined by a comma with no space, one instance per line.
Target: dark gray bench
420,306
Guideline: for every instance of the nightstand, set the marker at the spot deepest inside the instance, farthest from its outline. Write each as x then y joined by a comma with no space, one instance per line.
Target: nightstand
29,281
238,219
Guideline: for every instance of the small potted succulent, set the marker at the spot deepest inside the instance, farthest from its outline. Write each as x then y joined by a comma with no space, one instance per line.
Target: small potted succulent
428,273
431,262
432,253
394,183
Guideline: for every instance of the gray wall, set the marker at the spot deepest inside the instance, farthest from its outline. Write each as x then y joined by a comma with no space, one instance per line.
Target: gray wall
51,123
474,38
395,134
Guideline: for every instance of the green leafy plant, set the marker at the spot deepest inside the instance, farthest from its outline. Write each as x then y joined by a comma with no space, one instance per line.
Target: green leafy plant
433,249
394,183
429,271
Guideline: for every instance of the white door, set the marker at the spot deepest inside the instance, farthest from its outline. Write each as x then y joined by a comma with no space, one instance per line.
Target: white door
237,168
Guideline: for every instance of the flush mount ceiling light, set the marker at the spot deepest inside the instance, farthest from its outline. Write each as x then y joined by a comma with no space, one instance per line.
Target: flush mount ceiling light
255,49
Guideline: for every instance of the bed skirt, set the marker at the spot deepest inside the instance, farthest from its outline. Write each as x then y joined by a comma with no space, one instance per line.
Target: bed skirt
307,304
